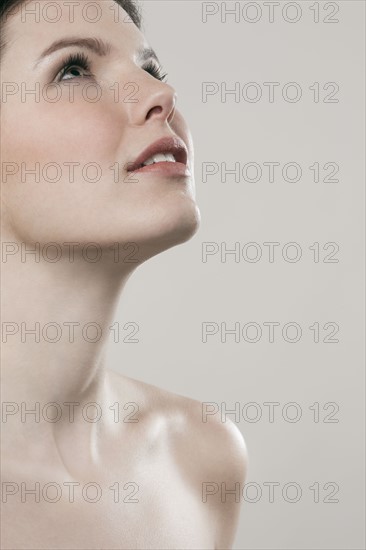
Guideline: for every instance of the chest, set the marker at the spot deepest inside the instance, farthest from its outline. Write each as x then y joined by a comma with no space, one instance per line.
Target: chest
136,512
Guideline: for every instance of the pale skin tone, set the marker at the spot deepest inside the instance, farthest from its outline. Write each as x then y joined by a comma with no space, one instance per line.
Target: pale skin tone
170,452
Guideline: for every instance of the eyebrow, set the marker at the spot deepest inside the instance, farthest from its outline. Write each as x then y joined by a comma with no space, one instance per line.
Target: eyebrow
95,45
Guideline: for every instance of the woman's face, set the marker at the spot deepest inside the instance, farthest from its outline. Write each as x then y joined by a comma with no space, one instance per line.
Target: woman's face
71,134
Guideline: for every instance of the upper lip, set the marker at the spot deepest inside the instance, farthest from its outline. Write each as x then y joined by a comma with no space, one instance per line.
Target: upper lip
173,145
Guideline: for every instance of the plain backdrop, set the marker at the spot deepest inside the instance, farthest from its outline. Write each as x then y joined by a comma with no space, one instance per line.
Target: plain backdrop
314,440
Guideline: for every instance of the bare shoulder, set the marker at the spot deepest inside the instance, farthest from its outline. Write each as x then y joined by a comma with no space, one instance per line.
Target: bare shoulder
219,462
210,454
195,426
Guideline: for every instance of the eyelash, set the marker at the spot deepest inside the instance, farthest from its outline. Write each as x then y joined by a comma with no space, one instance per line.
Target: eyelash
155,70
80,60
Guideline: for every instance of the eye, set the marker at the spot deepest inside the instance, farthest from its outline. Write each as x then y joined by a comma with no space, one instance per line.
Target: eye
155,70
73,64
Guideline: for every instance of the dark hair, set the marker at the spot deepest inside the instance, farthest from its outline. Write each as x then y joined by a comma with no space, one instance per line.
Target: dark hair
7,6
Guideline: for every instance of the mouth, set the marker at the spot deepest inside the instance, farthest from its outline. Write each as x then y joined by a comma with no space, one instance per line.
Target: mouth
168,155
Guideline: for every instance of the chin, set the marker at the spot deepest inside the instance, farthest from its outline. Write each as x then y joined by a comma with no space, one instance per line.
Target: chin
174,228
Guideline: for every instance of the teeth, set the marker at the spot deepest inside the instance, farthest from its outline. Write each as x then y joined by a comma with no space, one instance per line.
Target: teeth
163,157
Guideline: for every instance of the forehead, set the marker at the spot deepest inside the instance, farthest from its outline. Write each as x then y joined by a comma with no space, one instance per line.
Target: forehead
34,25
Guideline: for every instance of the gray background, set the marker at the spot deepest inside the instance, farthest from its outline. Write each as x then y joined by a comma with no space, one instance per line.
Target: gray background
173,294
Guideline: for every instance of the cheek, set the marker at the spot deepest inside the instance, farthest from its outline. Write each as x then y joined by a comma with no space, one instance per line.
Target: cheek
63,132
58,166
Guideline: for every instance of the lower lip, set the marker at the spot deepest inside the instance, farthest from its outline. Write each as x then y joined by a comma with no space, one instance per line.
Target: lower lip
164,168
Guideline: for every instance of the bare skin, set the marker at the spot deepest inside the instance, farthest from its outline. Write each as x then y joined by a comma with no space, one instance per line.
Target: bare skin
161,465
157,449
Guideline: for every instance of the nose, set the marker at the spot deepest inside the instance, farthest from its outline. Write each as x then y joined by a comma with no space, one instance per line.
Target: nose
156,101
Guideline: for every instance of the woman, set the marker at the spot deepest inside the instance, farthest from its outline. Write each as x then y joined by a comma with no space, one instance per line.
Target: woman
97,177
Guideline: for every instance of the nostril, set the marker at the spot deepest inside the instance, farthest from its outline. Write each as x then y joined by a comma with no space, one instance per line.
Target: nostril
154,111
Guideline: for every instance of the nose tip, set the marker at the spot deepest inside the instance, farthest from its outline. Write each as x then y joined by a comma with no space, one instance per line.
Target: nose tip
157,102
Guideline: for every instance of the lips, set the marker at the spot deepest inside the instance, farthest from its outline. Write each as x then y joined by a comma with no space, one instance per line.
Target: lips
170,145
